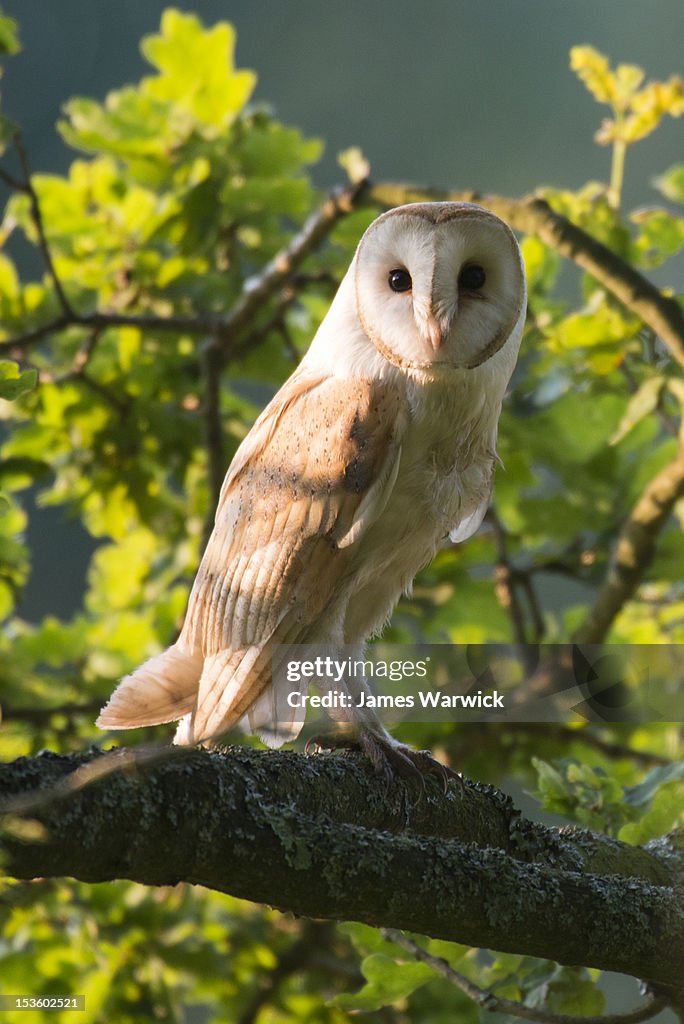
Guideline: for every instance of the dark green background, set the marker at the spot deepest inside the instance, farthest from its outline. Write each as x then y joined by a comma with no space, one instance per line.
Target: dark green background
459,92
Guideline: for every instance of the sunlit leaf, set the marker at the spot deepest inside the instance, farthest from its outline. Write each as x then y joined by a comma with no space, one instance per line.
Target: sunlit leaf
197,71
671,183
14,383
387,981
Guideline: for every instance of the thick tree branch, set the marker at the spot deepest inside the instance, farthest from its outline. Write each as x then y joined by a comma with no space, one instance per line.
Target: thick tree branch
323,837
635,549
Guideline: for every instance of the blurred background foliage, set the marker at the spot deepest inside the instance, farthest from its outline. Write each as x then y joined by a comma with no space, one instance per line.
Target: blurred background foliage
181,189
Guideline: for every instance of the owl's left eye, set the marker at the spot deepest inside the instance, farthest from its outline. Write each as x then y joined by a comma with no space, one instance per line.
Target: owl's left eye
400,280
472,277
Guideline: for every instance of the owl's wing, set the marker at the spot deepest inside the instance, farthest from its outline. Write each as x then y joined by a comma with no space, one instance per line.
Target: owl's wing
315,471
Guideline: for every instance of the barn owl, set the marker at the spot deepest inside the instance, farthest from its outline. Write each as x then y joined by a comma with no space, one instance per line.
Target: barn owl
380,446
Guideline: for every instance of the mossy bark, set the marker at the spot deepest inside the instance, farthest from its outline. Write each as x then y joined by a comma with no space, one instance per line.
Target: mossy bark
324,837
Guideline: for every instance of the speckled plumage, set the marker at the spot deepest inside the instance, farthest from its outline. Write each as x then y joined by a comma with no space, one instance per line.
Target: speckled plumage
380,445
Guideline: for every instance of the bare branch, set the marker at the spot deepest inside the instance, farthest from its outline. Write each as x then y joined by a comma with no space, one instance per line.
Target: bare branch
196,325
256,290
40,716
505,580
493,1004
529,214
634,550
37,218
77,373
566,734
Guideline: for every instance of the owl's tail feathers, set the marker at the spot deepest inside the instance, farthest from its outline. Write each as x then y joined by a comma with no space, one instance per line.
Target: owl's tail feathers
238,688
163,689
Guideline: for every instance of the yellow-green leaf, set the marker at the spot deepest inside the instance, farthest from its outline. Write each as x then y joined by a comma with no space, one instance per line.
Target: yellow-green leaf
197,69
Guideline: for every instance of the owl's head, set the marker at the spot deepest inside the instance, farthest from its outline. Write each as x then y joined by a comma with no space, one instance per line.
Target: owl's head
439,284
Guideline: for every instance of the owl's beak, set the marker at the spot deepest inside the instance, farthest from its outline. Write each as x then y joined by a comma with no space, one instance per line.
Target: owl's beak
435,332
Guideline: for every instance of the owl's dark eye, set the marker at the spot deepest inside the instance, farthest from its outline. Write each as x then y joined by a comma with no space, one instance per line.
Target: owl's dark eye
400,280
472,277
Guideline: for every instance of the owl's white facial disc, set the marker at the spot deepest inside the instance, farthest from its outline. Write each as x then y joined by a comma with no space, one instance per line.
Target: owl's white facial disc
439,284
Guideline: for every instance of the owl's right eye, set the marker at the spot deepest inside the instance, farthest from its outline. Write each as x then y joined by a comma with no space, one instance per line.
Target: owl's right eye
400,280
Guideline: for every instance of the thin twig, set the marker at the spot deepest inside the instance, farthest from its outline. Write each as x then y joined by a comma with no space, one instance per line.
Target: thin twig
493,1004
37,218
532,598
256,290
198,325
77,374
275,323
610,749
506,581
42,715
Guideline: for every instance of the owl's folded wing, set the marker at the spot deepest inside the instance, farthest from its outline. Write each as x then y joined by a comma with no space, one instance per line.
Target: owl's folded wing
315,471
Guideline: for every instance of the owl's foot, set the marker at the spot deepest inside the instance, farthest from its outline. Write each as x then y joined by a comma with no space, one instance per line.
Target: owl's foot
389,758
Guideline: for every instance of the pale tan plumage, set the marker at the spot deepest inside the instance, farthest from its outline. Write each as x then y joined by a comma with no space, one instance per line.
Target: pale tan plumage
379,445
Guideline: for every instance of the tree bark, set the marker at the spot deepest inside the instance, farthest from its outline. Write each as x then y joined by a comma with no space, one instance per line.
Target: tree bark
323,836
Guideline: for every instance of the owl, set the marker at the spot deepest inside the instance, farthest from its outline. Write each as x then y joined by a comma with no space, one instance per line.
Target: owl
379,447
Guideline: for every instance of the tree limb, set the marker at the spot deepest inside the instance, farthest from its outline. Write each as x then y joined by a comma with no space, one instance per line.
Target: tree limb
323,837
634,550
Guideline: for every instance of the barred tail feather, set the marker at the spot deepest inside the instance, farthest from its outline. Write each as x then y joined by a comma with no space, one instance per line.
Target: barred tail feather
231,681
237,689
163,689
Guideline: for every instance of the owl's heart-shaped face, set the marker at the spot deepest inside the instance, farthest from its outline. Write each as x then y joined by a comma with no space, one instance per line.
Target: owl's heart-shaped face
439,283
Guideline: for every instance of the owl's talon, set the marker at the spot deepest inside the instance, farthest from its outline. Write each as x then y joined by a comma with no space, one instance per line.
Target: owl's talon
429,765
388,759
391,760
